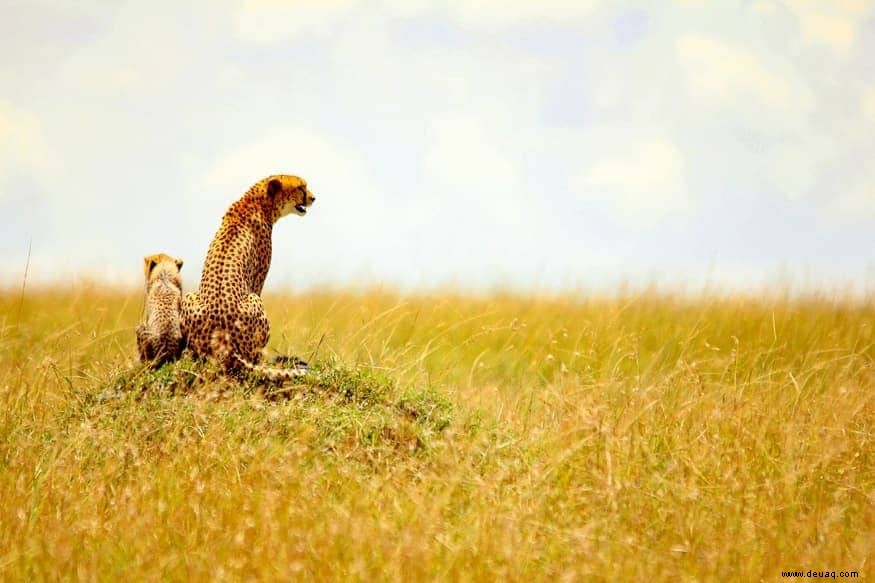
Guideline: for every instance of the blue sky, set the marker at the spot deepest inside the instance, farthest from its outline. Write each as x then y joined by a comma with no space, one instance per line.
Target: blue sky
533,144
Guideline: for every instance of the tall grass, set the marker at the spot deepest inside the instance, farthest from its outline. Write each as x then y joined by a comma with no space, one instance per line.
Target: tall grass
445,436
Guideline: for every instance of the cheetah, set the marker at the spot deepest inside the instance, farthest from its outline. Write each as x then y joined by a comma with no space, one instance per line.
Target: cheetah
159,335
225,319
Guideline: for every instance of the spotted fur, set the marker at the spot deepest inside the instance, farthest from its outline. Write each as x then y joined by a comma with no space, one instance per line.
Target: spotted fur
159,335
225,318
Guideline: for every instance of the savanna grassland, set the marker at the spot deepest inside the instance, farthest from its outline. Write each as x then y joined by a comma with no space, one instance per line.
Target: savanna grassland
444,436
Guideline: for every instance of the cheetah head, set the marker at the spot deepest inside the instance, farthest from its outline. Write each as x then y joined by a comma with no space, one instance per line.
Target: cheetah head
164,267
289,194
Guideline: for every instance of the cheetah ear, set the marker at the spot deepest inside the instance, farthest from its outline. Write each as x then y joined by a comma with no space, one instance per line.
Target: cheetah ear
179,263
273,187
150,264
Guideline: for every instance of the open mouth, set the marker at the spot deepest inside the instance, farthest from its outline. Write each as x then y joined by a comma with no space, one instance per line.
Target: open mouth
301,209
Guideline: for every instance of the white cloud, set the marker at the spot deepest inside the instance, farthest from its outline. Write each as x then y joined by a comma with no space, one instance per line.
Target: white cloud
763,7
409,8
270,21
463,154
857,204
725,73
23,146
798,165
143,50
471,115
867,103
470,158
266,22
496,15
646,180
833,24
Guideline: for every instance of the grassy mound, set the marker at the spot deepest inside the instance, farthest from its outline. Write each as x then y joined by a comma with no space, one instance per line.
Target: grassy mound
349,409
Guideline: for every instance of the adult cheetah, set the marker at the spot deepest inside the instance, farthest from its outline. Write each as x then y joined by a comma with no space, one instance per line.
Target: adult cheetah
159,335
225,318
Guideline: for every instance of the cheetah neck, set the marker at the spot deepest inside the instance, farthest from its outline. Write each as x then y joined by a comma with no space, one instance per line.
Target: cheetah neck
164,280
252,209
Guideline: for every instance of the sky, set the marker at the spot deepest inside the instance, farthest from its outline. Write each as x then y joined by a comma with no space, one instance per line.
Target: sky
531,145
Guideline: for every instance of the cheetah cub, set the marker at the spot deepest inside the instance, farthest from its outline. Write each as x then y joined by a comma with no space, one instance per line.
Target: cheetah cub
159,335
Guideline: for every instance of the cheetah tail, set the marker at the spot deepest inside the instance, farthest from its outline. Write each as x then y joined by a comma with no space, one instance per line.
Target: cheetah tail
273,373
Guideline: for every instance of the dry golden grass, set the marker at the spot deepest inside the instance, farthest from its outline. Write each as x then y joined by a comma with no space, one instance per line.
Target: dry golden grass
445,436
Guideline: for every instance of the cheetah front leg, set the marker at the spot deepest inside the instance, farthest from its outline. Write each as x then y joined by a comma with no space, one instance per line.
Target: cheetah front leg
191,321
253,328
